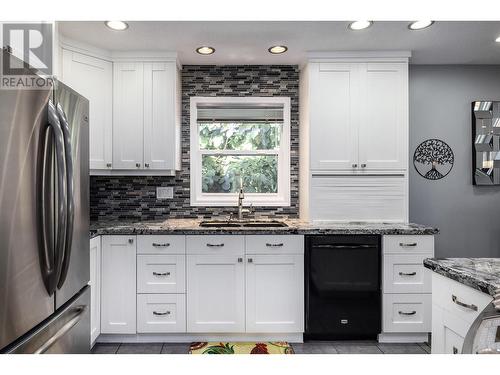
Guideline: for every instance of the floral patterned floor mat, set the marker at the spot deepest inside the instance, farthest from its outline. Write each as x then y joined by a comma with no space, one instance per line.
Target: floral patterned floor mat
240,348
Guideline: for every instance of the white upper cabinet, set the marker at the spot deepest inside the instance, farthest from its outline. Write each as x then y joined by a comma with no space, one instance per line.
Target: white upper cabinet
93,78
135,108
161,117
383,129
146,119
358,117
333,115
128,115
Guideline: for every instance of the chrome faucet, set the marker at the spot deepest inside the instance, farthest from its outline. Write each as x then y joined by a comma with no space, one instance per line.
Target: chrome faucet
241,210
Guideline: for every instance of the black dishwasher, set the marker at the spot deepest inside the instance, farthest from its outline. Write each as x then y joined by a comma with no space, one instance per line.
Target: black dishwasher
342,285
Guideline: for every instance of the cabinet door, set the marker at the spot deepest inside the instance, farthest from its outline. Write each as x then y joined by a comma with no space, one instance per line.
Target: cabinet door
118,284
275,293
215,293
95,288
159,115
92,78
383,127
128,116
333,91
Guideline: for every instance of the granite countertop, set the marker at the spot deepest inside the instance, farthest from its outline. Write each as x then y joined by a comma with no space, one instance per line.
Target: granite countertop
191,226
482,274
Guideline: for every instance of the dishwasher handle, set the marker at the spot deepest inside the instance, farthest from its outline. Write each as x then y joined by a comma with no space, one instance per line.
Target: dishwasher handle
332,246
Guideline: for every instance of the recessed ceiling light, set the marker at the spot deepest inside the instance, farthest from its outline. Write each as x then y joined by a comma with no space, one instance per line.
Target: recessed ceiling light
276,50
116,25
360,25
205,50
497,39
419,25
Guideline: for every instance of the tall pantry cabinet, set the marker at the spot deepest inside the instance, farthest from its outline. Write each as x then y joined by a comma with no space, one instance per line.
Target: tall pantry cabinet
354,138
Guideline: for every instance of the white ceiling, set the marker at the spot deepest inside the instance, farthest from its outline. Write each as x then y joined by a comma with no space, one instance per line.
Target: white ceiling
247,42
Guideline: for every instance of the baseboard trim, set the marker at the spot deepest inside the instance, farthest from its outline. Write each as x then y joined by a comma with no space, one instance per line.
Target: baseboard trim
402,338
190,337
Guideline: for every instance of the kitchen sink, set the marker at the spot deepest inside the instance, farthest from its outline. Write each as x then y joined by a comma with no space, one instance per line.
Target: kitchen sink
243,224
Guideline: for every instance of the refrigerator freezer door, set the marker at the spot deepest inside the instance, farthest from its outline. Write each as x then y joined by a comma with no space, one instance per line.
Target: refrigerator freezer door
76,264
66,332
24,263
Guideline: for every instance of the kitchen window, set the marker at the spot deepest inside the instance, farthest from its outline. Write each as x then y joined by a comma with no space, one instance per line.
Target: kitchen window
240,142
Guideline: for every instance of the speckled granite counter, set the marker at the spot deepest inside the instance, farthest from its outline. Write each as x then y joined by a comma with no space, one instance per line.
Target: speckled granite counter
191,226
479,273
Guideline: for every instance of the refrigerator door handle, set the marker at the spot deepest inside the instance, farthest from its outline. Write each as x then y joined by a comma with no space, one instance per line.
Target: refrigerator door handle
44,216
70,203
62,213
78,315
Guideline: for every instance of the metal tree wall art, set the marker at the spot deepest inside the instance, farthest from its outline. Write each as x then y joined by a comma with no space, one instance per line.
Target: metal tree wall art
433,159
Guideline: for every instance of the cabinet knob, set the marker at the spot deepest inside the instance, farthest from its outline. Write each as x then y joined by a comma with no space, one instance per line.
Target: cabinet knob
146,165
240,260
363,165
354,165
130,240
250,260
138,165
108,165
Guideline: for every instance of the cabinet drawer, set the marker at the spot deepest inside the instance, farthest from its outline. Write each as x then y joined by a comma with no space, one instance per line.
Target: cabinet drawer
274,244
161,274
408,244
406,274
460,300
159,313
216,244
161,244
407,313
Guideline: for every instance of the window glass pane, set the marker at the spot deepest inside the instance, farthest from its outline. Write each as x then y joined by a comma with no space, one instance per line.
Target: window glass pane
245,136
221,173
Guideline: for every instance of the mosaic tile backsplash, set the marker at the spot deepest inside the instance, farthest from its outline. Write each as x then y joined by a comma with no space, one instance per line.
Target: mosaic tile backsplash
134,197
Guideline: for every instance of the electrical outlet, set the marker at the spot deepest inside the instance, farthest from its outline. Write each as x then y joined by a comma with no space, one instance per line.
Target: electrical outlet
164,192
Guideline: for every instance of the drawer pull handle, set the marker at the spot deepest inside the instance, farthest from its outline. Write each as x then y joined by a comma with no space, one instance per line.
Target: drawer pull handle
250,260
411,244
161,244
407,313
460,303
274,244
455,350
161,273
161,313
215,244
407,273
240,260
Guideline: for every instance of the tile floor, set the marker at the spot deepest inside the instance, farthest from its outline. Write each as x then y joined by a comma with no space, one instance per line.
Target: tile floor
334,347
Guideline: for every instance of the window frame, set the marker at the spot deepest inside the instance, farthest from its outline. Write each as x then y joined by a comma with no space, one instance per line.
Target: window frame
279,199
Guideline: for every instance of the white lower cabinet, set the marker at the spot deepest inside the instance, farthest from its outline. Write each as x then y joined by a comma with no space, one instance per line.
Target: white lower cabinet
454,308
201,284
161,273
161,313
95,288
406,286
275,293
118,298
215,293
407,313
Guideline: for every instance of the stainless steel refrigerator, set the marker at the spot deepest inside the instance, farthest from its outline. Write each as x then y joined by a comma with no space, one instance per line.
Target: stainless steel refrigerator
44,221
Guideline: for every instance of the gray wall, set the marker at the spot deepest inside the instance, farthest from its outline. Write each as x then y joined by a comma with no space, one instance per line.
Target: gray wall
468,216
